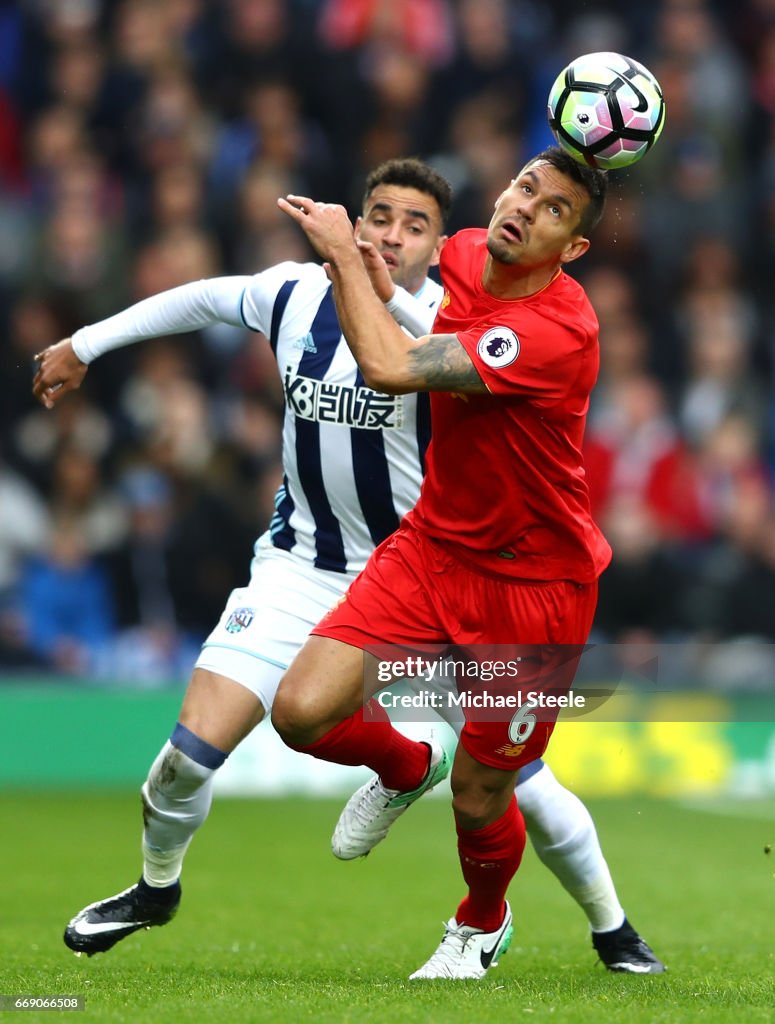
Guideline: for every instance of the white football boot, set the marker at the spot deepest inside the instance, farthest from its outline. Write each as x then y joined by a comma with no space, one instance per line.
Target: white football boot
467,952
372,809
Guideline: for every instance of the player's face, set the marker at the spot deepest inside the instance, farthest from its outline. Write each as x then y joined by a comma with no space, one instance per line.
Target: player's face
405,226
536,219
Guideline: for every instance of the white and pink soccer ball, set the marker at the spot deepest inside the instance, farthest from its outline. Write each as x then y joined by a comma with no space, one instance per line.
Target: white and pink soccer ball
606,110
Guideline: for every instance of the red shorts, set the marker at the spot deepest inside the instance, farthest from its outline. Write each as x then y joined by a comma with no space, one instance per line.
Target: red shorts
413,592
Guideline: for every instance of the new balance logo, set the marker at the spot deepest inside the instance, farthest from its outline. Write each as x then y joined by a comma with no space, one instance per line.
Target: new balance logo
511,749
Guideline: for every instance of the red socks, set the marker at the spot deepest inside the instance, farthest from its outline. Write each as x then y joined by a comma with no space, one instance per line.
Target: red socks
489,858
368,737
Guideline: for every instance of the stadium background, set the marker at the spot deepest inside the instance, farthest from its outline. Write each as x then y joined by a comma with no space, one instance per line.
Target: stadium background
143,145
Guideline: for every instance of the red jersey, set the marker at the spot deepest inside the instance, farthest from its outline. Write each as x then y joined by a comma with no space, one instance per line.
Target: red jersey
504,482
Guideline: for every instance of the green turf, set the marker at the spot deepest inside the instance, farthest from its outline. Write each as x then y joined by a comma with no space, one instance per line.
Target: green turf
273,929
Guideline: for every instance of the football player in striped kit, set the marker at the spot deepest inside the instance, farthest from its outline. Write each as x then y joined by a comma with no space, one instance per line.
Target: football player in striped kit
353,463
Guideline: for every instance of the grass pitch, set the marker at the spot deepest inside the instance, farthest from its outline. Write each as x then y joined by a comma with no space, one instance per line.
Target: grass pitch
273,928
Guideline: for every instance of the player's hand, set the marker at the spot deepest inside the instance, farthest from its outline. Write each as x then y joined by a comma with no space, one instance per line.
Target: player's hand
326,225
59,371
377,269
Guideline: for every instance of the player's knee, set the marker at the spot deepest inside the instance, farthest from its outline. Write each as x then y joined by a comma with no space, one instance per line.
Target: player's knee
468,815
478,803
474,808
296,716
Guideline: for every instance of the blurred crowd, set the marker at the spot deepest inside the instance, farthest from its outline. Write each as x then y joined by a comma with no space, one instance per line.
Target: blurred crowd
143,145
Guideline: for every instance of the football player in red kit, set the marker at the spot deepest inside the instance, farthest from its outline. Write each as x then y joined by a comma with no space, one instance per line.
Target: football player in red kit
500,548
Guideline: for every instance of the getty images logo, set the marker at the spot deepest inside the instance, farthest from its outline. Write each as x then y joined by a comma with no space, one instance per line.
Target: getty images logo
498,347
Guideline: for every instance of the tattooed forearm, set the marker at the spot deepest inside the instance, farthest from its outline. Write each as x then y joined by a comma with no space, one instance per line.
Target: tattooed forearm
442,364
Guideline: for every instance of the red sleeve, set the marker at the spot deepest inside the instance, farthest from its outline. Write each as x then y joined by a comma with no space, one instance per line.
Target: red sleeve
542,361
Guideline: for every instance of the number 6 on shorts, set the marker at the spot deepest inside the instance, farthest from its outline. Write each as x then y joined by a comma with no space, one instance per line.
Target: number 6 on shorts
522,724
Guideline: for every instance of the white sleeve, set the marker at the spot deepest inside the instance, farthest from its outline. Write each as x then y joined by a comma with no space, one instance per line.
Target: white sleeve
187,308
414,315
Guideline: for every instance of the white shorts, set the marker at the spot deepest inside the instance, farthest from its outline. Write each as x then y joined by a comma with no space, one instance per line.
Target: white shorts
265,623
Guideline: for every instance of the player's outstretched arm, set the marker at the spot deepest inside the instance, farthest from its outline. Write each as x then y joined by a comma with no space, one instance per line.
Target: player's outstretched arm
190,307
389,359
59,371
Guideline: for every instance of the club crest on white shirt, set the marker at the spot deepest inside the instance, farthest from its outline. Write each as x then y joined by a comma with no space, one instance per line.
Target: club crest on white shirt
498,347
239,619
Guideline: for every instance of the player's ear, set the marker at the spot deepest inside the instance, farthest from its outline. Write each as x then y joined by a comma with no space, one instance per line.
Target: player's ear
575,248
437,250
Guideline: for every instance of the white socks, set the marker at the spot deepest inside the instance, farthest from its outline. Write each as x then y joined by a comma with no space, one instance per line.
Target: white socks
564,837
178,792
176,800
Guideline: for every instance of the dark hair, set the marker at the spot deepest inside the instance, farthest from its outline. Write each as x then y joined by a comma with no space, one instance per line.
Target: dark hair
412,173
591,179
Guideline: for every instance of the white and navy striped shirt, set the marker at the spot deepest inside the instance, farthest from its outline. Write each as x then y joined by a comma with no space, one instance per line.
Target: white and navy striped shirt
353,458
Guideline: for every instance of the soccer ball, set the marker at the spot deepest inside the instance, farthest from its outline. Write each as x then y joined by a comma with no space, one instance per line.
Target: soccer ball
606,110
